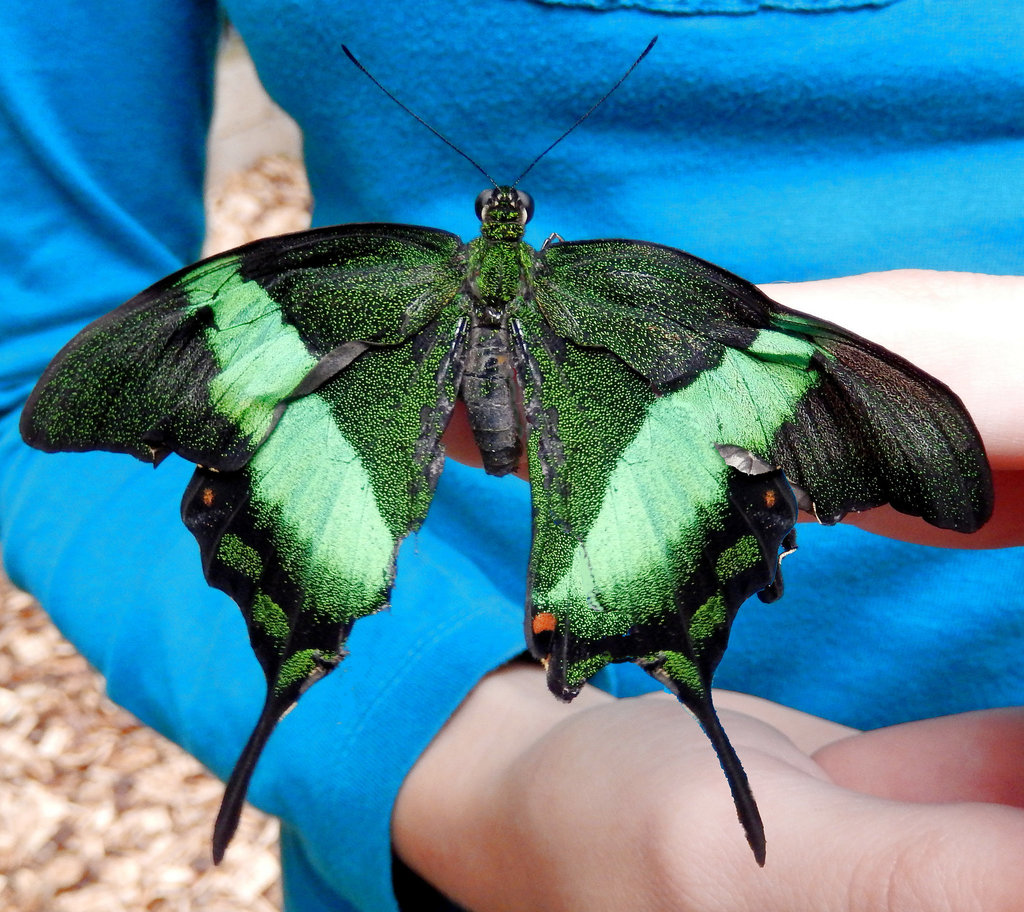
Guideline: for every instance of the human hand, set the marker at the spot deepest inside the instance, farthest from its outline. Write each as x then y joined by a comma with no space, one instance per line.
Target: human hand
962,328
613,804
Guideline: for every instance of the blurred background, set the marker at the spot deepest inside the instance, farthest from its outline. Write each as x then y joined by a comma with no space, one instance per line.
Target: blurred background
97,812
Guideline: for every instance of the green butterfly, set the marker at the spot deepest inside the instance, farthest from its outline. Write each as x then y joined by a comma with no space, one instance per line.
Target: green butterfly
675,419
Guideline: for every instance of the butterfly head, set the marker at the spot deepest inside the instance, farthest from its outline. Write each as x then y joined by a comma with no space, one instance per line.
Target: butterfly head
503,213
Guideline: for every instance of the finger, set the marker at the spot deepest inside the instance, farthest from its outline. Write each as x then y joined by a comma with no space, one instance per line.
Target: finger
973,756
831,849
806,732
643,821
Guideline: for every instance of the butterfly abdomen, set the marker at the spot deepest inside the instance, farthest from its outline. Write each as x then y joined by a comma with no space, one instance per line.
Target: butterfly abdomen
489,391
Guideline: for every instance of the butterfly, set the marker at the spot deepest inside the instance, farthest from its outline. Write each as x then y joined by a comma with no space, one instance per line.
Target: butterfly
674,419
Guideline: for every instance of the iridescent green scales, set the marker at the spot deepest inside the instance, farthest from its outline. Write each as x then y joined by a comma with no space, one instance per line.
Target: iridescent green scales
673,418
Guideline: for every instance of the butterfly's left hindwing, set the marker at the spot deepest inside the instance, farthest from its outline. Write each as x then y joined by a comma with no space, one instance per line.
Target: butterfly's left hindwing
304,537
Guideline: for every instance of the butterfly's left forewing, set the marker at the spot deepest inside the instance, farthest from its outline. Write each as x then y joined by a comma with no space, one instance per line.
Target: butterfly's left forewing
203,362
853,425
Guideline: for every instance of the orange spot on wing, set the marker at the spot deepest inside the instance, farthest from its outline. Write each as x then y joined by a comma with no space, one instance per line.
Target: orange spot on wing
208,497
544,622
769,499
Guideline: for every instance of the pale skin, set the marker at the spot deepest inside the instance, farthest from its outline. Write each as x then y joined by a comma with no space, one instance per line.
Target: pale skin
606,804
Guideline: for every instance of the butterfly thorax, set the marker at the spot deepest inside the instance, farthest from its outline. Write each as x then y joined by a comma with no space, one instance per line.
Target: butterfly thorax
497,275
497,282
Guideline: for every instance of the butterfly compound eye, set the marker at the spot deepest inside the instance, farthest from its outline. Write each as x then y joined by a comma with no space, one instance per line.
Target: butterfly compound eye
481,201
526,202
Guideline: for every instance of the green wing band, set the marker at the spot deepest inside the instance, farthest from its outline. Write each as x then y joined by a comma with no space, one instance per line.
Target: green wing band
638,520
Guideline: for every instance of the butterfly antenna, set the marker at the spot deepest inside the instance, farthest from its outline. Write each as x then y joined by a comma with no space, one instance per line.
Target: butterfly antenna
590,111
420,120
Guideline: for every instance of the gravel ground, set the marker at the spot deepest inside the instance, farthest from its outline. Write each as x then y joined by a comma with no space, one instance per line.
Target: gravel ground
97,812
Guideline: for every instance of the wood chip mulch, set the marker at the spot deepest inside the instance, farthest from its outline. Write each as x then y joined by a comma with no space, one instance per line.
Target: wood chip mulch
271,197
97,812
